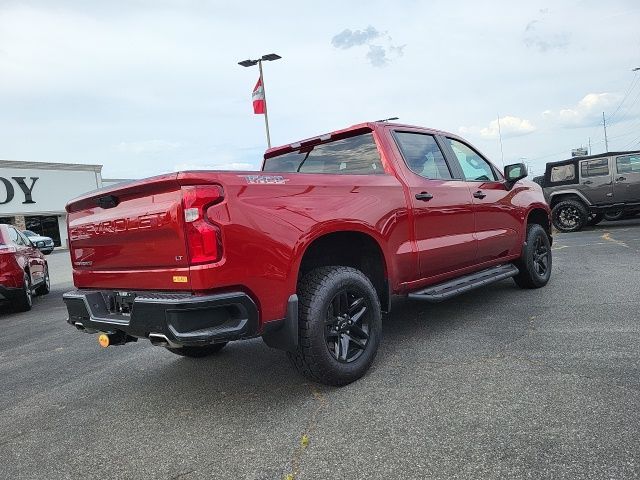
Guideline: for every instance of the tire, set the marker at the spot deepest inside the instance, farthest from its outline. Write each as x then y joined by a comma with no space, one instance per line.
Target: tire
595,218
569,216
24,300
613,216
46,286
340,325
536,261
198,352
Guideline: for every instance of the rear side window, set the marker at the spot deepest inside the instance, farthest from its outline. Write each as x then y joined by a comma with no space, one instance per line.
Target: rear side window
422,155
350,156
563,173
628,164
595,168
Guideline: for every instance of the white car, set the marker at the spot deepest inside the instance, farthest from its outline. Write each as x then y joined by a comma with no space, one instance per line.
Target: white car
44,244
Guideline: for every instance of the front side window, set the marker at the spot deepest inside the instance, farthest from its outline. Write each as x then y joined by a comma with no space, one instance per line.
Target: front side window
563,173
595,168
474,167
628,164
354,155
422,155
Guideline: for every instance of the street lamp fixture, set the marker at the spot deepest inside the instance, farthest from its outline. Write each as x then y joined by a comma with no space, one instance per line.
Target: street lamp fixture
635,69
269,57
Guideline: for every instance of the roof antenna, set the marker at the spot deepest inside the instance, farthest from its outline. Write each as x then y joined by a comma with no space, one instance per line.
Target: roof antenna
388,119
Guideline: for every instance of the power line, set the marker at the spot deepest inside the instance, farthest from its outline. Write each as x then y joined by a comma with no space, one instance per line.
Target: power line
629,108
631,86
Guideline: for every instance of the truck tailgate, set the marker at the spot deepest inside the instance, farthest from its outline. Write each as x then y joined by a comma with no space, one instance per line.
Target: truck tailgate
130,236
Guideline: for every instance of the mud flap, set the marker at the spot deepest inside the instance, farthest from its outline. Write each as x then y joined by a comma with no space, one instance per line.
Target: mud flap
284,335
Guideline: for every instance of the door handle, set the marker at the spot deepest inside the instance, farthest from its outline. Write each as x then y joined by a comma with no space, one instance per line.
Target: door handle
424,196
621,179
588,182
479,194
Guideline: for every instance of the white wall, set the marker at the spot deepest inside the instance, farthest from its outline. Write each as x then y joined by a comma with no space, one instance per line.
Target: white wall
51,191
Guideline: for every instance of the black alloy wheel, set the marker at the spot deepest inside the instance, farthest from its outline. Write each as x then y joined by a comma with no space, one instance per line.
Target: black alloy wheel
339,325
536,262
541,254
569,215
347,325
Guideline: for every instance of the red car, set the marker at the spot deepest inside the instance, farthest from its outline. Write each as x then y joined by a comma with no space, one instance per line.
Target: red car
23,269
307,252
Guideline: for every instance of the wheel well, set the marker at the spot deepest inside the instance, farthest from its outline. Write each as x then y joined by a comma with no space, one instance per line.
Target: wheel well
350,249
565,196
539,216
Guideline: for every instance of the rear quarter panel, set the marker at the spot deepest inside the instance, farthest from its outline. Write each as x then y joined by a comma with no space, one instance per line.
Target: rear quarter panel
266,228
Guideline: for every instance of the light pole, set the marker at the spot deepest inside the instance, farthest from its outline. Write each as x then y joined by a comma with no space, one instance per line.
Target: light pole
250,63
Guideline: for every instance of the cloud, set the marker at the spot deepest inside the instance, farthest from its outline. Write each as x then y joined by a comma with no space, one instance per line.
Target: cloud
348,38
586,112
378,54
147,146
509,127
539,35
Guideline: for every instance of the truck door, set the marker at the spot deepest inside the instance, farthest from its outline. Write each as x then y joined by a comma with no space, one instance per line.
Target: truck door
441,205
498,223
595,181
626,187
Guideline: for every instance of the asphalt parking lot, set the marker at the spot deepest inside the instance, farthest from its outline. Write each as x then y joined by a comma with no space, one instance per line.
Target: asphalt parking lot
498,383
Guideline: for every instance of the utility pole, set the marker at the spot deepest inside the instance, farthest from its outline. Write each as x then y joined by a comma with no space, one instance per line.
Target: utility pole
500,136
264,95
249,63
589,146
604,124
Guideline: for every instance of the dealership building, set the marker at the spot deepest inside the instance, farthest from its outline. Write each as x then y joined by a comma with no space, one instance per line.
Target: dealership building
33,194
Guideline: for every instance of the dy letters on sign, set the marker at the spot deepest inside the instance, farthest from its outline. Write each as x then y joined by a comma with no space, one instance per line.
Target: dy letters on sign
10,191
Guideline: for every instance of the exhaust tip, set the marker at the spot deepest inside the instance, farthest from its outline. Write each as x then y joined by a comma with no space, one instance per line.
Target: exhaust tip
161,340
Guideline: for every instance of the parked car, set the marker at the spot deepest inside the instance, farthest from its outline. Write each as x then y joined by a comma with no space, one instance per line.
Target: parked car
23,269
44,244
585,190
307,252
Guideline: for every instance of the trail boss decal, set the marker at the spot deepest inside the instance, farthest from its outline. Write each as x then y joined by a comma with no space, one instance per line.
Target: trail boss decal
265,179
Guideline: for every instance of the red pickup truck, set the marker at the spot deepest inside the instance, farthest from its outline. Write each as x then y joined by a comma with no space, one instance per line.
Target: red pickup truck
307,252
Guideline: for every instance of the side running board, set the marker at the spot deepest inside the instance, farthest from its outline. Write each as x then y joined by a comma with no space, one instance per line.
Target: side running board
451,288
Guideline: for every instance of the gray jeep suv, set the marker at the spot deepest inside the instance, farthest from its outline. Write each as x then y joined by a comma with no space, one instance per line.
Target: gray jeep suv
584,190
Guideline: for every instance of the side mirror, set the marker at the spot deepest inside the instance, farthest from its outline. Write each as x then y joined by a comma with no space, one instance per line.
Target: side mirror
515,172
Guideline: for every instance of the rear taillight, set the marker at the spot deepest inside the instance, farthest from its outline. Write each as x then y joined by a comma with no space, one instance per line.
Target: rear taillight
203,238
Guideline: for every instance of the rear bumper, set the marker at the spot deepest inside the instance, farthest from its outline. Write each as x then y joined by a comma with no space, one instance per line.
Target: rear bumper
8,293
183,319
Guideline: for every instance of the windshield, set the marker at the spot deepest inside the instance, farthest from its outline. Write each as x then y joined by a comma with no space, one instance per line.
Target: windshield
29,233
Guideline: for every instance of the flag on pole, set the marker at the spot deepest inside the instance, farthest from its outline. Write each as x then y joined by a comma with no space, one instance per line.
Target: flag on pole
258,98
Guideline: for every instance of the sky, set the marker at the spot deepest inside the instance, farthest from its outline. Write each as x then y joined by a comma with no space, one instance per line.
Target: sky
151,86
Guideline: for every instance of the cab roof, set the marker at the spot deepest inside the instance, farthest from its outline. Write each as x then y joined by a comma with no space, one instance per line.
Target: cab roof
589,157
353,130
